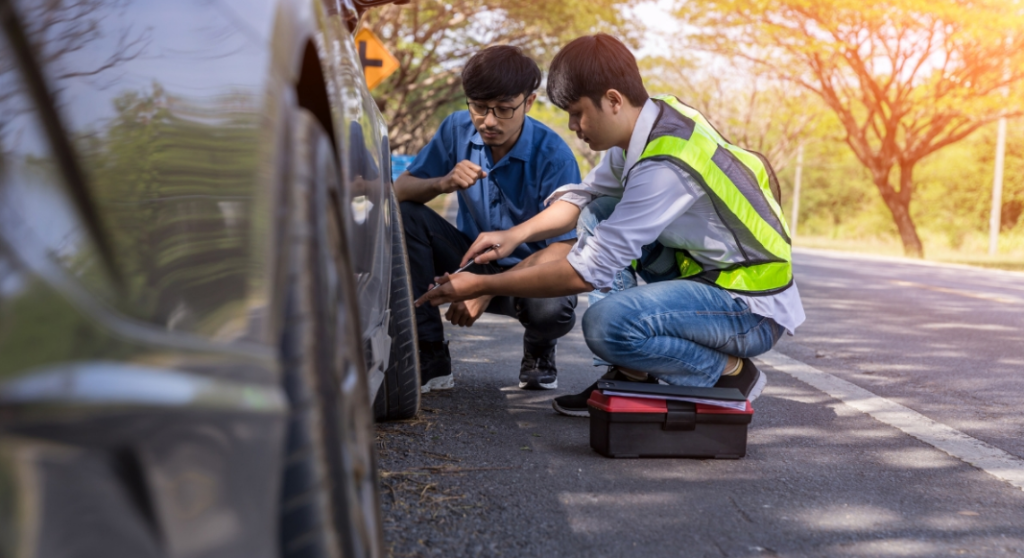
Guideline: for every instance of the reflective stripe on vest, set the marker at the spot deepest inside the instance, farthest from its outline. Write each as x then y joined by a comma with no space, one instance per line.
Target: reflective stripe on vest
739,184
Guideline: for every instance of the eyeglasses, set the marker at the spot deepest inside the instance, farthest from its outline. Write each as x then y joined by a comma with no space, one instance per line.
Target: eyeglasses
503,113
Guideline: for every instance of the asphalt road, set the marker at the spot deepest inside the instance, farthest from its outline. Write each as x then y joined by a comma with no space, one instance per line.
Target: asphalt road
890,427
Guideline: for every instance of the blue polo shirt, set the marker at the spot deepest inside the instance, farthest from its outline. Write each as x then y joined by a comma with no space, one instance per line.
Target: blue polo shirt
515,187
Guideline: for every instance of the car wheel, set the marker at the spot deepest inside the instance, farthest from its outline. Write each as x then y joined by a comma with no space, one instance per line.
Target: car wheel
329,502
399,395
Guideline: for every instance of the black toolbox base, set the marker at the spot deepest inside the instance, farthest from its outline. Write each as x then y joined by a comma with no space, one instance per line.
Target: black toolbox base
650,439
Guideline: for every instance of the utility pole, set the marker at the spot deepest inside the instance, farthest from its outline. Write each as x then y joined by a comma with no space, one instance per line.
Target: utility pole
795,214
994,222
995,217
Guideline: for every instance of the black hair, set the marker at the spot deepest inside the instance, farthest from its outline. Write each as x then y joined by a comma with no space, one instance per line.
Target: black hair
591,65
500,72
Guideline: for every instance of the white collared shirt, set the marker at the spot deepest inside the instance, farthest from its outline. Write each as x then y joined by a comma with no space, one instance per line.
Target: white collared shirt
658,202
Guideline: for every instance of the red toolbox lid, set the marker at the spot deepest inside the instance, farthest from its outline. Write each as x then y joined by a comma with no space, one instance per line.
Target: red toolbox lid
619,404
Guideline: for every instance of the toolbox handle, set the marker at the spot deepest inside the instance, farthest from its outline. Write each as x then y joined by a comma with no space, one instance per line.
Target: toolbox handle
681,416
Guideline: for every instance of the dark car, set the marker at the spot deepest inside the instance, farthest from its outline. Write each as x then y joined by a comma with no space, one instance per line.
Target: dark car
204,298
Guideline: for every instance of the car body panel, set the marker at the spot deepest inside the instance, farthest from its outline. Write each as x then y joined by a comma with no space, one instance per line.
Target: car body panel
148,394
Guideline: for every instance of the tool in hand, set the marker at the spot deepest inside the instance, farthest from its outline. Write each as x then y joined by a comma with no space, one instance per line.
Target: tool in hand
463,268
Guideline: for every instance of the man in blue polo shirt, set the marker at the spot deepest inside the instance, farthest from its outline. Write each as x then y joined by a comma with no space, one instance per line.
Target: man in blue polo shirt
502,165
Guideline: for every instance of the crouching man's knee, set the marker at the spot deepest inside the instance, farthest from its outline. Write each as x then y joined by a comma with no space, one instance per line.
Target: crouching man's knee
411,211
607,335
549,318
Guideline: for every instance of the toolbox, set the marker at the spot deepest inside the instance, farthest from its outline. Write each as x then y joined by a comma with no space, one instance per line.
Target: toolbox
634,420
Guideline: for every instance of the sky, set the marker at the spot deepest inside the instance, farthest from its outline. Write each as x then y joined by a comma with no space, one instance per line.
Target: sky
656,17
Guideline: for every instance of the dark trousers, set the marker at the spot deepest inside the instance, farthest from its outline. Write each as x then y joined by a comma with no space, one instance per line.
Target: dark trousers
436,247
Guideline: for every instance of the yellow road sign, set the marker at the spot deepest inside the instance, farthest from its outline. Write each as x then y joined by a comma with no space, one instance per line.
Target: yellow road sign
377,62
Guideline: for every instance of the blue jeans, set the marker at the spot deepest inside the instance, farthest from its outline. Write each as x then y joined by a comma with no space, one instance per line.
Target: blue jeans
679,331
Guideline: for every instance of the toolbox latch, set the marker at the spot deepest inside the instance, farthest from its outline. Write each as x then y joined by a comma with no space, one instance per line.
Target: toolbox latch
680,416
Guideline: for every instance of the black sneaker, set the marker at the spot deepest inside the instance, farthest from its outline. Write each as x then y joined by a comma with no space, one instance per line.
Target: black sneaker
537,370
750,381
576,405
435,367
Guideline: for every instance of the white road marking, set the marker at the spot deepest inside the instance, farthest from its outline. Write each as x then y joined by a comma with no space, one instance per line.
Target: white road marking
992,460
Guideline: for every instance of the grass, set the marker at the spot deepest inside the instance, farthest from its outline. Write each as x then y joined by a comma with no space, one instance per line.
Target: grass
972,251
437,204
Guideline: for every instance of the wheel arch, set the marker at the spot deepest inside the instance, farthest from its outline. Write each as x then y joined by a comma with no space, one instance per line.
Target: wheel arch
311,89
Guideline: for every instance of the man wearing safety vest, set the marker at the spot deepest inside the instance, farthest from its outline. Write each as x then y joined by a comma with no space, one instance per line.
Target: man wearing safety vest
671,201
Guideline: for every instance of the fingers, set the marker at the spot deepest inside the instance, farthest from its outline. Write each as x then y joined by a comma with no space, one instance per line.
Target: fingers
435,295
488,255
481,243
465,174
469,166
472,169
458,314
452,288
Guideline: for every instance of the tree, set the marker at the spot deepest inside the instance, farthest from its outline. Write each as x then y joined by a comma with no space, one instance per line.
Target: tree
155,162
56,31
432,39
750,109
905,78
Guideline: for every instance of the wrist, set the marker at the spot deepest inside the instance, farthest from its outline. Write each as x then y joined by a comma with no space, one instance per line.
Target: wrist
520,233
442,186
478,286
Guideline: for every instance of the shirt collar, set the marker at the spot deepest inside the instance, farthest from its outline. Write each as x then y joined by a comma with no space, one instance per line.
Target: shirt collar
641,131
521,150
524,145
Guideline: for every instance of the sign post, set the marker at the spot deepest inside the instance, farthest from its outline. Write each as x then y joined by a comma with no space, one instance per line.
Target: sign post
377,62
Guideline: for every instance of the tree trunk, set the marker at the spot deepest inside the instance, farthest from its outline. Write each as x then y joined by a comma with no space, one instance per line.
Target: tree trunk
898,203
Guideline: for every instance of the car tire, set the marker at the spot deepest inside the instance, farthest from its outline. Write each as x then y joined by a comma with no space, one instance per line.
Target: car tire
329,504
399,395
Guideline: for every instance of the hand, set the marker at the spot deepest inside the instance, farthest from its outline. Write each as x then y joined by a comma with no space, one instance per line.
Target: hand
464,313
453,288
506,242
464,175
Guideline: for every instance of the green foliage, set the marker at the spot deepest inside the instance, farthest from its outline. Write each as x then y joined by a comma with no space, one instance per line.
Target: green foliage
49,330
751,109
839,202
955,189
558,120
152,171
905,78
432,39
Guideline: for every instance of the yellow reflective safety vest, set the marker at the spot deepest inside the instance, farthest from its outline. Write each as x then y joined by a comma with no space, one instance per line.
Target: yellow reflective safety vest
745,193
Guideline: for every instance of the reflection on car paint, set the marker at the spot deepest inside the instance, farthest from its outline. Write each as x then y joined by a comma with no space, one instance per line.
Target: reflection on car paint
147,420
361,207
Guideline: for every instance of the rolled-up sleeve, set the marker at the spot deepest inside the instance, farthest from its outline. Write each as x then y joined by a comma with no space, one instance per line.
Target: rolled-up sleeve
657,195
560,170
602,180
573,194
438,157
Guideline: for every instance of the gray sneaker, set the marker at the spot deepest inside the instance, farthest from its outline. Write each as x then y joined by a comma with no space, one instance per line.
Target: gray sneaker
435,367
537,370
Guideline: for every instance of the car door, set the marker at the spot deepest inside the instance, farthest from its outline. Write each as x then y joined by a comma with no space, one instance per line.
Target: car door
111,426
367,184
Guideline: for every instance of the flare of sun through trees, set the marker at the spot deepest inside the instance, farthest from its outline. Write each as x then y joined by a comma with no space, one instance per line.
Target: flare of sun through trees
432,39
750,108
905,78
